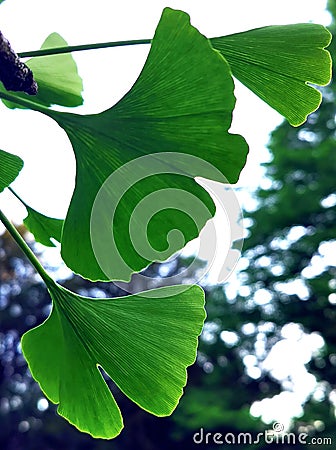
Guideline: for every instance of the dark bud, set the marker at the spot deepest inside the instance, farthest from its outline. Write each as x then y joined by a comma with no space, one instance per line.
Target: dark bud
14,74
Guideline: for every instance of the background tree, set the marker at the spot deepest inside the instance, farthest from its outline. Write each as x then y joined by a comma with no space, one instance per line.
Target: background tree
290,276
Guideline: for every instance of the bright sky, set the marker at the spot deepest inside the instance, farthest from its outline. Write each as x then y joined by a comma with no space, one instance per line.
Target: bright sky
47,180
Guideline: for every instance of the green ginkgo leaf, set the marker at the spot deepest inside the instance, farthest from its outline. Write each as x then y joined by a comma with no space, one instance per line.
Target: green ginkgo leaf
57,77
144,342
42,227
180,106
280,63
10,166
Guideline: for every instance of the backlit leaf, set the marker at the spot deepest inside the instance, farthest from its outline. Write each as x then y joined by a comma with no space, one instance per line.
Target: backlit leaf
144,342
279,63
10,166
181,104
42,227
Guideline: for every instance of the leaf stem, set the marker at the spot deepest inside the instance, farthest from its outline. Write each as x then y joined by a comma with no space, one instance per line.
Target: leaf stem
78,48
17,196
26,250
26,103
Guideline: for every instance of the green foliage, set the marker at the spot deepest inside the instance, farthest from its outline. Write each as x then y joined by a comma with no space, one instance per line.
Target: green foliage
10,166
279,64
292,240
143,342
208,400
163,112
171,127
43,228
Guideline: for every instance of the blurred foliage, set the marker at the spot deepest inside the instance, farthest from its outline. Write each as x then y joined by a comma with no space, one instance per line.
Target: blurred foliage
290,254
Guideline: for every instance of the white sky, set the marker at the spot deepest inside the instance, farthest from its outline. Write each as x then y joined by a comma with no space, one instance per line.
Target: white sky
47,179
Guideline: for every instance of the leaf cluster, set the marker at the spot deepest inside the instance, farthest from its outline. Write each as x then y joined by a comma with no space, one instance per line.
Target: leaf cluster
172,126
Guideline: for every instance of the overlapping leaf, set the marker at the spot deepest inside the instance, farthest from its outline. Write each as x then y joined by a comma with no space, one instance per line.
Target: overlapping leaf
42,227
144,342
10,166
181,102
57,77
278,63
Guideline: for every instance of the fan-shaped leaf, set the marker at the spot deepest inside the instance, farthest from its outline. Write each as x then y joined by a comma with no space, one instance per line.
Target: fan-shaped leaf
181,104
42,227
278,63
10,166
144,342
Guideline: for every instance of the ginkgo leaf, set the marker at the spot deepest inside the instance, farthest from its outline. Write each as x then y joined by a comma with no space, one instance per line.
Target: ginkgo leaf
10,166
42,227
144,342
181,104
57,77
279,63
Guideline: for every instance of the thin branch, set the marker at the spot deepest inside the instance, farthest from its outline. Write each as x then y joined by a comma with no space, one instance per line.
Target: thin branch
25,248
78,48
17,196
26,103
